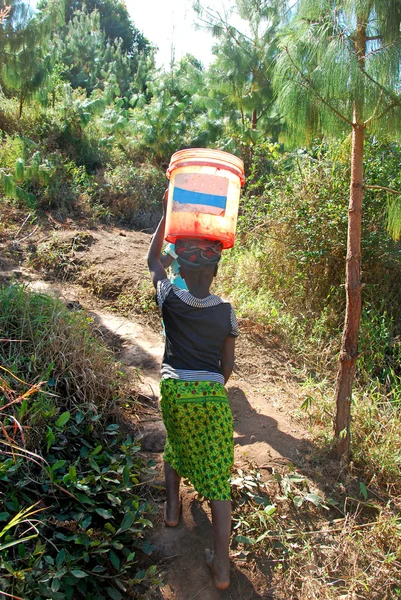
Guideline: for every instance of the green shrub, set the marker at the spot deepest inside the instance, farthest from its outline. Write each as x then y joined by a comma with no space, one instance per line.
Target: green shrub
133,194
288,267
71,523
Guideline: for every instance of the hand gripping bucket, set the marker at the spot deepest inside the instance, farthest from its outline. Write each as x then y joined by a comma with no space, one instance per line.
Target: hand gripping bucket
203,195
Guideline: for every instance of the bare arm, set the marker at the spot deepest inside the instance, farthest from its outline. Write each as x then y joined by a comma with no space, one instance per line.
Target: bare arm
227,361
156,268
166,260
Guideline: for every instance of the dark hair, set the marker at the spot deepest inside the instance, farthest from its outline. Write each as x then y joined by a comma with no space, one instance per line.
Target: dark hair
204,273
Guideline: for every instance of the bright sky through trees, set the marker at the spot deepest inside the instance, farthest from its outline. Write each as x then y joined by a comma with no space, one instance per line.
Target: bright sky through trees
170,27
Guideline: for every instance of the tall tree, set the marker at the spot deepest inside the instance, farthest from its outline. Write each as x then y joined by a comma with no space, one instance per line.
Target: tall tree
115,22
26,53
241,75
339,72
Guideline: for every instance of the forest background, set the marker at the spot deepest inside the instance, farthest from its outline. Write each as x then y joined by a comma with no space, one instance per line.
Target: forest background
89,124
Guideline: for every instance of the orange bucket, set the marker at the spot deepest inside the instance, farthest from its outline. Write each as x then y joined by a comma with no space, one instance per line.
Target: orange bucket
204,194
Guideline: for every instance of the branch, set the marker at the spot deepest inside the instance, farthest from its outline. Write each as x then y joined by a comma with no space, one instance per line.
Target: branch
385,90
318,96
222,22
381,187
385,111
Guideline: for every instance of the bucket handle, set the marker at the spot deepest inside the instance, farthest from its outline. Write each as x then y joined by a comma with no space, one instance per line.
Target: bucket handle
206,163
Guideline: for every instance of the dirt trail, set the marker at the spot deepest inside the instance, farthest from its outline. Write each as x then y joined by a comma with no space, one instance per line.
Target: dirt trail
262,391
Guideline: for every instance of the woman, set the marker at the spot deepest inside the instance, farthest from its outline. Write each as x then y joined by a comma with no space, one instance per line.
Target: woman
198,360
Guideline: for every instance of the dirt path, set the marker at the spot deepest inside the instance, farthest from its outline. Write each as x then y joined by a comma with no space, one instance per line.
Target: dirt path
263,393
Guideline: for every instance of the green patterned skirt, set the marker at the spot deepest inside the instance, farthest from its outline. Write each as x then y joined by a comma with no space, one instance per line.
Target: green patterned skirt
199,445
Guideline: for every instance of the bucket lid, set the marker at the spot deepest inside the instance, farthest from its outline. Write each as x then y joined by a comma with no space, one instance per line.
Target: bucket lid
207,157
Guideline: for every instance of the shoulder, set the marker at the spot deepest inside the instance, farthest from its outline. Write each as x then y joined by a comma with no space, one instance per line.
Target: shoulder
234,332
163,289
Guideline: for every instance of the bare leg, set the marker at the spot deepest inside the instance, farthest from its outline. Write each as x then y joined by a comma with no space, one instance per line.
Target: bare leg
219,560
173,505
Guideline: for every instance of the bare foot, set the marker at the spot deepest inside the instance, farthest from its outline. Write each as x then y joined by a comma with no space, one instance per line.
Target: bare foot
221,572
172,515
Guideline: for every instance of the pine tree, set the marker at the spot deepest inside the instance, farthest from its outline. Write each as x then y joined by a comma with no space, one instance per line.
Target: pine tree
26,52
338,73
240,76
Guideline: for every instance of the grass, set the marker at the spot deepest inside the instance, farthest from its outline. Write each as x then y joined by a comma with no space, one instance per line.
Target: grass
313,540
72,521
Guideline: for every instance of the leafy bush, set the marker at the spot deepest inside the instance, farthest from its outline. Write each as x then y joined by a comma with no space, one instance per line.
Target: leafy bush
71,524
133,194
288,267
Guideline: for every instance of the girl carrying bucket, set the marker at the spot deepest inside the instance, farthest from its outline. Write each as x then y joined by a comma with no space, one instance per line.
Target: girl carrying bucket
198,360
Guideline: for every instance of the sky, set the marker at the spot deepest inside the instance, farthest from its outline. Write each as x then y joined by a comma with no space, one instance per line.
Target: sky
170,26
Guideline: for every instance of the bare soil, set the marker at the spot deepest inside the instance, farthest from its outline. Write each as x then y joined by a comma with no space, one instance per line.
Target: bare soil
103,271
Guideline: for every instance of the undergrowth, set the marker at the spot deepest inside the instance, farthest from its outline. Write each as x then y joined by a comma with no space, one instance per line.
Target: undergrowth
315,540
72,518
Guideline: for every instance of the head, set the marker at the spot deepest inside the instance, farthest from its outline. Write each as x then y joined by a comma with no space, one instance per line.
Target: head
198,259
202,276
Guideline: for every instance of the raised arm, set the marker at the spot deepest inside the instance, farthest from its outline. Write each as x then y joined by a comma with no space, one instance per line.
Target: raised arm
227,360
166,260
157,271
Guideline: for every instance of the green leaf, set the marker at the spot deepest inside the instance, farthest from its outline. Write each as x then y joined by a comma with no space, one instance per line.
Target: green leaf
99,569
84,499
79,417
126,475
113,427
4,516
96,450
315,499
63,419
298,501
126,523
79,574
115,561
270,510
60,557
363,490
58,465
242,539
72,472
106,514
113,593
16,542
147,548
86,522
262,537
94,465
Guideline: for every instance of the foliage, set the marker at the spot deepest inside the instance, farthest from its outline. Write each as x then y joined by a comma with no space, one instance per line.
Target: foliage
20,184
244,94
313,539
114,20
287,267
27,57
71,521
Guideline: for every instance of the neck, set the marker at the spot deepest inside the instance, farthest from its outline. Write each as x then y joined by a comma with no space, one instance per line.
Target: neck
199,289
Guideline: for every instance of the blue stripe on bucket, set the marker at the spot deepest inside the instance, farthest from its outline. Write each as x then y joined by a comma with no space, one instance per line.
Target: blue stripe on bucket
188,197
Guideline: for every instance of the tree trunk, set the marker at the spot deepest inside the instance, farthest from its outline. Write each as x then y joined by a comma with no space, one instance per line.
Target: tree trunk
349,345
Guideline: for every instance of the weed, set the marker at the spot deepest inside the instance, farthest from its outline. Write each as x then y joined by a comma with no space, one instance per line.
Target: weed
311,543
72,520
